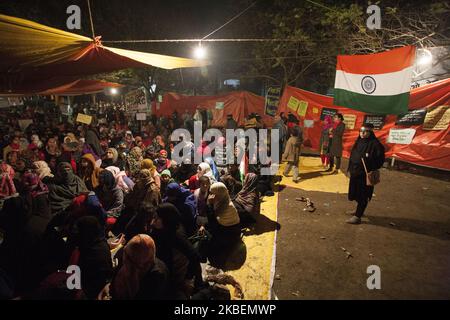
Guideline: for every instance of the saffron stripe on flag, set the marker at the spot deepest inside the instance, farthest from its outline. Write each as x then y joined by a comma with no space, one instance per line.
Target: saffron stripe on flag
383,62
395,104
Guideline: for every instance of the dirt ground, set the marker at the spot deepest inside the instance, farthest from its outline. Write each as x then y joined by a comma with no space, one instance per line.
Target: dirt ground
406,232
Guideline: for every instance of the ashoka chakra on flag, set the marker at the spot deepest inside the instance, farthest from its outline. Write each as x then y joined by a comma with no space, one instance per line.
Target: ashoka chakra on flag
376,83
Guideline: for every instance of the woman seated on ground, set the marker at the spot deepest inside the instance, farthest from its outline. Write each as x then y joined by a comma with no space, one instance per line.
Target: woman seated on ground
232,180
65,188
94,256
89,172
201,197
149,165
122,181
247,200
24,220
133,162
224,224
184,201
166,179
42,169
203,170
175,250
140,205
110,158
141,276
110,196
162,163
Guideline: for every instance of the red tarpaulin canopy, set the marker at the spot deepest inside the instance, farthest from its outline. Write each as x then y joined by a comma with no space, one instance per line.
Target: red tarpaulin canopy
239,104
428,148
80,87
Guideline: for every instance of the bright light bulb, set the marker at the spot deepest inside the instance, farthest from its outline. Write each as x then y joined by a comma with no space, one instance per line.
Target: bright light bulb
200,52
113,91
425,58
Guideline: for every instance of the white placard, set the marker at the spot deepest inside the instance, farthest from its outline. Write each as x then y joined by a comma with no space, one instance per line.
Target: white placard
141,116
308,123
401,136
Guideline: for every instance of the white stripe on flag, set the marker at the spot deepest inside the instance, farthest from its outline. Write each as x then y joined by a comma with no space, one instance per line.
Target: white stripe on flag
387,84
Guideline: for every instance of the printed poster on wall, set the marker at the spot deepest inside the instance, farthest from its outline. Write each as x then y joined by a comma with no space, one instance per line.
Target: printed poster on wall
376,120
349,121
308,123
219,105
437,118
272,100
141,116
401,136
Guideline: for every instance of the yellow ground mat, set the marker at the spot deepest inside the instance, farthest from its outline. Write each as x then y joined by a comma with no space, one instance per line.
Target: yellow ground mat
257,272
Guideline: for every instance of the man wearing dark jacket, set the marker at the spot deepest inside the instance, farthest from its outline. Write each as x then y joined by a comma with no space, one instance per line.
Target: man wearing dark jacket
336,142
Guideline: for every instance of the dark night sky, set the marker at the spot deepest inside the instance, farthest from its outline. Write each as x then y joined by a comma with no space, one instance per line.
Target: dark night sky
140,19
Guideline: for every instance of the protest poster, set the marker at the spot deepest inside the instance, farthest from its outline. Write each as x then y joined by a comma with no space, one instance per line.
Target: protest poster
272,100
302,107
293,103
220,105
376,120
141,116
327,112
349,120
437,118
308,123
401,136
412,118
84,118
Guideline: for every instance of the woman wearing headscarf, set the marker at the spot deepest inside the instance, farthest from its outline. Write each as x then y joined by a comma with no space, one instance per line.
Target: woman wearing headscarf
166,179
232,180
203,170
24,220
247,200
142,276
149,165
110,196
325,140
111,158
95,258
162,163
122,181
89,172
174,249
133,162
7,187
224,224
367,150
140,204
184,201
43,171
92,138
65,187
51,150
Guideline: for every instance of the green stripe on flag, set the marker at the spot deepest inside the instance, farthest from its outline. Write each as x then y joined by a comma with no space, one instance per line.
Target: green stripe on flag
395,104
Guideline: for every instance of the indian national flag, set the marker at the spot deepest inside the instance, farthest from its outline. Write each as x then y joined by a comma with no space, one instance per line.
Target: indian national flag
375,83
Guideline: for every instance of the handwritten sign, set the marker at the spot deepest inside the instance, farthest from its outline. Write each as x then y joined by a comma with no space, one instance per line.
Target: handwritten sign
272,100
327,112
376,120
24,123
84,118
349,120
437,118
141,116
302,107
308,123
293,103
412,118
219,105
401,136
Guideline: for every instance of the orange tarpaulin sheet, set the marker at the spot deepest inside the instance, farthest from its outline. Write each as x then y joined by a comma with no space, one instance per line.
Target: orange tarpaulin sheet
80,87
239,104
31,52
428,148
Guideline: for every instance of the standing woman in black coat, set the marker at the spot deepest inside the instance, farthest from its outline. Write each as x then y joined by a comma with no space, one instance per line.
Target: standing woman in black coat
369,148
